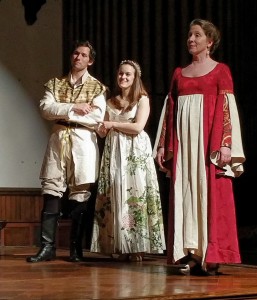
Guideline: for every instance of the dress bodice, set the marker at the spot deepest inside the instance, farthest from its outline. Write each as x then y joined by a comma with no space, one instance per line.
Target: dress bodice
212,83
119,115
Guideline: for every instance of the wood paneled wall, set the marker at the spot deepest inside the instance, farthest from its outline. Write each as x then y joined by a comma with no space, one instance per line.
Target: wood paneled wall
22,211
21,206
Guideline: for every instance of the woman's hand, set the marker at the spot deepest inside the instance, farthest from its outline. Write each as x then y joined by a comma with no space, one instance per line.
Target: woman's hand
108,124
160,159
224,157
103,127
101,130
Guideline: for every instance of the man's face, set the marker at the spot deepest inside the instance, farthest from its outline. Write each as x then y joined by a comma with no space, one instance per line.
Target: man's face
80,59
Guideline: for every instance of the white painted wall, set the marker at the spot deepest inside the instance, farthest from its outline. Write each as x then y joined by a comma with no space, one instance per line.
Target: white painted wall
29,56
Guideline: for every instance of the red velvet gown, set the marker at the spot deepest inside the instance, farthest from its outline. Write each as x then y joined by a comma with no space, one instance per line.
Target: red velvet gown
202,218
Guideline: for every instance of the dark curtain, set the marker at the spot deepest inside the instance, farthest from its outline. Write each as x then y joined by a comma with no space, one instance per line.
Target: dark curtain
154,33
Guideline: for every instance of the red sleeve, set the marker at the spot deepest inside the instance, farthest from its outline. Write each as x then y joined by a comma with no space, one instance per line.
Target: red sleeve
221,133
161,143
167,124
227,128
226,86
170,134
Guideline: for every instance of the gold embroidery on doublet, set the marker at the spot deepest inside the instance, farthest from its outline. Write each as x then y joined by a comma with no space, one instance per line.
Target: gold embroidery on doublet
64,92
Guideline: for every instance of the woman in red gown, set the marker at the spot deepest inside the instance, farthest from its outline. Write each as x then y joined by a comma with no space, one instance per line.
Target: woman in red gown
199,146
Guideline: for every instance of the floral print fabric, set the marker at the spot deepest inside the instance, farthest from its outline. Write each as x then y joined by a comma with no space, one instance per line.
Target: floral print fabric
128,214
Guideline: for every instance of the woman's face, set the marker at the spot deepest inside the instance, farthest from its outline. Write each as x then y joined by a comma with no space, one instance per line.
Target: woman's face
126,75
197,41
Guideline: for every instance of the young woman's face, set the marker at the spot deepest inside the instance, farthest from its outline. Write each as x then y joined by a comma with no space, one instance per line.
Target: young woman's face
126,75
197,41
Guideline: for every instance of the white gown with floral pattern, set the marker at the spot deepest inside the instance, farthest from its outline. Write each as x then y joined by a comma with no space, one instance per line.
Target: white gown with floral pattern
128,212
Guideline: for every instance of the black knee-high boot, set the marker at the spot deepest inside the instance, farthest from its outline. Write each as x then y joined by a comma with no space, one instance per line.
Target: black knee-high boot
76,238
48,233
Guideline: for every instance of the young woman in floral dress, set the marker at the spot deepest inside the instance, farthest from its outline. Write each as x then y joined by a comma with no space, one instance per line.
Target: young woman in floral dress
128,213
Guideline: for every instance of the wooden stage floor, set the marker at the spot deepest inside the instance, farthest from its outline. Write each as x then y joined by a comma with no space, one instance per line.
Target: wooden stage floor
102,278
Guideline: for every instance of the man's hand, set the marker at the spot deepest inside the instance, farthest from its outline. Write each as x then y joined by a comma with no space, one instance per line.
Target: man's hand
82,108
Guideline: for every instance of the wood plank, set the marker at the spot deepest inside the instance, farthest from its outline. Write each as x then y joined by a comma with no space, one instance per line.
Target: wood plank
20,191
99,277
